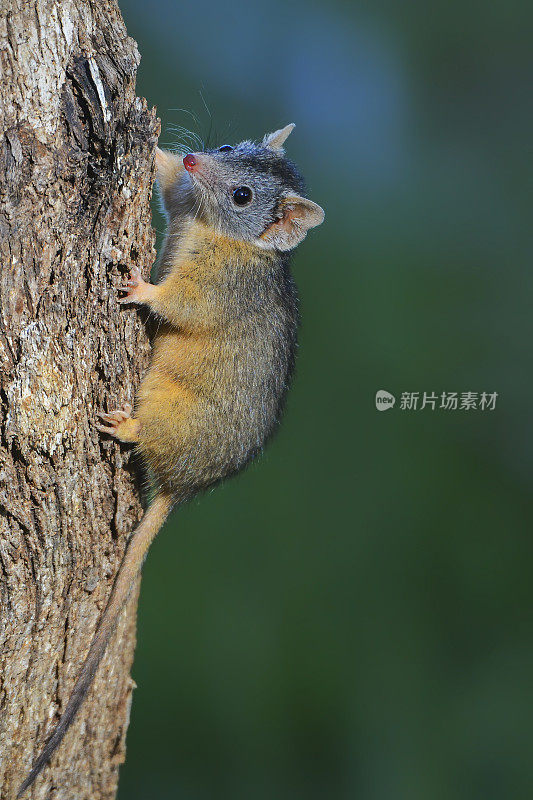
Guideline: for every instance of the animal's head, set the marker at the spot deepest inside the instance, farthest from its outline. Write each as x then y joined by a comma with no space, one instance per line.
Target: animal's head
249,191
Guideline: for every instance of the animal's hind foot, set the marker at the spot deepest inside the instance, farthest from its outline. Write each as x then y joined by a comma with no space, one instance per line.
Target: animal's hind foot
120,424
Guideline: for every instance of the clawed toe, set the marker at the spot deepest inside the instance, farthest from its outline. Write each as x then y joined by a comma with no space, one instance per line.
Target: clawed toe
105,429
113,419
132,282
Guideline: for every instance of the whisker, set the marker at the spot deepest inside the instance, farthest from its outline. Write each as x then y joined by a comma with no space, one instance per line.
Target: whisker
185,133
186,111
186,136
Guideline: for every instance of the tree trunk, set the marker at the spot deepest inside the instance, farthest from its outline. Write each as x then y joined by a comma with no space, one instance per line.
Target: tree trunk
76,168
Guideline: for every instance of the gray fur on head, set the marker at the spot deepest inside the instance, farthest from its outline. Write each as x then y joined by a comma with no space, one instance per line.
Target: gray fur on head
277,216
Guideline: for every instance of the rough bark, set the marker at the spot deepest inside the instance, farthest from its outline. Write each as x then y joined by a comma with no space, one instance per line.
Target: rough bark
76,163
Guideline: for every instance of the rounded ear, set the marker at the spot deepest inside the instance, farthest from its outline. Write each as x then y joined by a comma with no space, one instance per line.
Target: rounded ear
298,215
274,141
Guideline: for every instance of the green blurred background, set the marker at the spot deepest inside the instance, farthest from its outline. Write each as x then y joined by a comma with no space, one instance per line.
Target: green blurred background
351,618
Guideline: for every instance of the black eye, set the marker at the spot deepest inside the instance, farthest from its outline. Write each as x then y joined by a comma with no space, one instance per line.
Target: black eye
225,148
242,195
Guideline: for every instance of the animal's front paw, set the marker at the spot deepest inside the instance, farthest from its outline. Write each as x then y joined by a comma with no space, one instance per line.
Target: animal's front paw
120,424
137,290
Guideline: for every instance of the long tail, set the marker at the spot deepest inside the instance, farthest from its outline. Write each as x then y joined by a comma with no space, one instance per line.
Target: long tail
132,562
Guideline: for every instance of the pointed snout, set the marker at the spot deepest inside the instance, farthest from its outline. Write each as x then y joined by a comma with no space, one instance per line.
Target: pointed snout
201,167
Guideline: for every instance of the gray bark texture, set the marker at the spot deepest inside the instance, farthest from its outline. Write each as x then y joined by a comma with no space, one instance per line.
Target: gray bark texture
76,170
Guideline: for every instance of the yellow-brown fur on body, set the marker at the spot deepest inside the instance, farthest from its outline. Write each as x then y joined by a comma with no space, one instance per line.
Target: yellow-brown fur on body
208,354
223,352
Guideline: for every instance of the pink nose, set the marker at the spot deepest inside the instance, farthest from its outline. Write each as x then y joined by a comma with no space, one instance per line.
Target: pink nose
190,163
